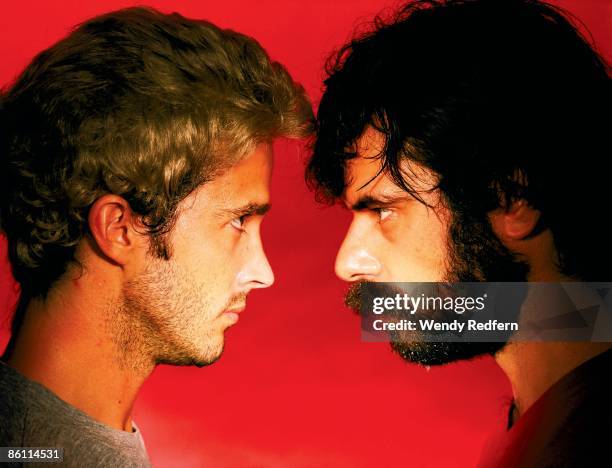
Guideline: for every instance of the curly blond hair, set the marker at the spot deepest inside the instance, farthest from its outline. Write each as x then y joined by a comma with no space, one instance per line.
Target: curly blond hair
135,103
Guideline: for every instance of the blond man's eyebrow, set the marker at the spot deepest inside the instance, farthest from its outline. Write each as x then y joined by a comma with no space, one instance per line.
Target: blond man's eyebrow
249,209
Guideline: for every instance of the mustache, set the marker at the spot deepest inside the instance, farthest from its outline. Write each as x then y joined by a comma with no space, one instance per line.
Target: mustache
361,291
360,295
235,300
354,296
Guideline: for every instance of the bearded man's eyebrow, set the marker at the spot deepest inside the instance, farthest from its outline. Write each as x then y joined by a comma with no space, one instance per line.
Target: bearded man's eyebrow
376,201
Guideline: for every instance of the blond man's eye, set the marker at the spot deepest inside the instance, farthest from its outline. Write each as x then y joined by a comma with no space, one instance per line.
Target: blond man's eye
238,223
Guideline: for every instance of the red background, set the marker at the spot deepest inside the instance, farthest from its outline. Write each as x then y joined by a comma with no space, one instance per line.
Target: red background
295,386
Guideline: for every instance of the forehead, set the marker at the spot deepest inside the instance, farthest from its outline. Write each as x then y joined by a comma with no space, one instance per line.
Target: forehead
366,166
363,174
248,181
250,175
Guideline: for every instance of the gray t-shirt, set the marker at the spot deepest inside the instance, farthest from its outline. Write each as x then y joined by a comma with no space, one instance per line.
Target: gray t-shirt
33,416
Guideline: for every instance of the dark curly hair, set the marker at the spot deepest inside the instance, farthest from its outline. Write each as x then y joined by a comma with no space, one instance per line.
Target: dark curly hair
499,98
136,103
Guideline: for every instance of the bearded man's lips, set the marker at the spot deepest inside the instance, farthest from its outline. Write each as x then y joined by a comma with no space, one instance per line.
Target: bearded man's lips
360,295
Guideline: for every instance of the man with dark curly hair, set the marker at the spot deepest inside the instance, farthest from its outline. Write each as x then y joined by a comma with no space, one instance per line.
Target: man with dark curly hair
470,140
136,158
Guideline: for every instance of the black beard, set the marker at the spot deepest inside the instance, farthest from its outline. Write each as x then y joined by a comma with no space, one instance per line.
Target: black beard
476,255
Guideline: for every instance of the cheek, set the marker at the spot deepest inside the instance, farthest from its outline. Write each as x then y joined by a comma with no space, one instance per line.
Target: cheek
238,261
205,252
417,251
209,262
230,259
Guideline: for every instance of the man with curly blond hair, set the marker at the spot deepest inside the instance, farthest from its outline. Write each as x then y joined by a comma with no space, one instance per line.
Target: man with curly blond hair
136,161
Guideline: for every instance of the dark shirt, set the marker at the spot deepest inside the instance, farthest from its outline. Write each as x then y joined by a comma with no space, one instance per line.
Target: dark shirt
568,426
